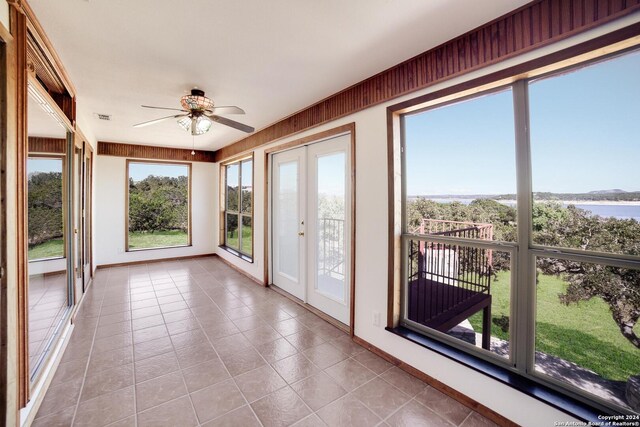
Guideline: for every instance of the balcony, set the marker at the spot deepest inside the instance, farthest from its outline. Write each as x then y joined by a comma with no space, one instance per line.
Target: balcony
448,283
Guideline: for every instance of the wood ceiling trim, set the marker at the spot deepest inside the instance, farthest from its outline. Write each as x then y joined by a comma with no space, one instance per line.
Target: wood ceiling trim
530,27
153,152
42,145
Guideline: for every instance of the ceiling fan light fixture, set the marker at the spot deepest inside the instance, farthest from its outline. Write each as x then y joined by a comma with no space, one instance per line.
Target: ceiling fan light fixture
195,125
196,101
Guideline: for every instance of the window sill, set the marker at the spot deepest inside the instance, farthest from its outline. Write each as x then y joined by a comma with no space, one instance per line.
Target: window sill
525,385
159,247
237,253
54,258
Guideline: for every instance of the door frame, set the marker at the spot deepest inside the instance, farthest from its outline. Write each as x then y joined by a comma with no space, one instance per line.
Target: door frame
86,217
349,129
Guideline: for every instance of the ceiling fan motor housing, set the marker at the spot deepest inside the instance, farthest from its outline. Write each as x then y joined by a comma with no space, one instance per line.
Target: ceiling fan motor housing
196,101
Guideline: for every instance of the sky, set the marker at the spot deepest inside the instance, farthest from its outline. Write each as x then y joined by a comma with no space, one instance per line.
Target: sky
585,136
43,165
139,171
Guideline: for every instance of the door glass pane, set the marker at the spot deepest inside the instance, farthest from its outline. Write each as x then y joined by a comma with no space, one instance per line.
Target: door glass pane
45,206
287,216
331,251
586,325
460,169
48,237
232,240
585,147
233,180
247,186
247,232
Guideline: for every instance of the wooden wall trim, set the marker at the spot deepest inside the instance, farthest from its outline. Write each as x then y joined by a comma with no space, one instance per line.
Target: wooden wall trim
438,385
43,145
19,32
153,152
8,115
533,26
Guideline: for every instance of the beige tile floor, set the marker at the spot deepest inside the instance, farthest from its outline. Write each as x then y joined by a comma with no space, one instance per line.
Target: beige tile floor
187,343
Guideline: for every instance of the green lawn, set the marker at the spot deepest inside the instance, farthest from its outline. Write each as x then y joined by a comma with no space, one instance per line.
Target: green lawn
232,240
583,333
157,239
50,249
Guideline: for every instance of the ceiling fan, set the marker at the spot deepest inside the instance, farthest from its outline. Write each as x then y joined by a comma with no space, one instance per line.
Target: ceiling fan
198,113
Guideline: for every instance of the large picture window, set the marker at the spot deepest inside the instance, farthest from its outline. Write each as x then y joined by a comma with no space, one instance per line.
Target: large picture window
159,207
521,227
238,207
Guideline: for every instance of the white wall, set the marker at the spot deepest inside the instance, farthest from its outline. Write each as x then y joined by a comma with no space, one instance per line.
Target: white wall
109,222
371,253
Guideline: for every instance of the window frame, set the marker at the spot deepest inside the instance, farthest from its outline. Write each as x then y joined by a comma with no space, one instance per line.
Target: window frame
240,215
127,196
524,250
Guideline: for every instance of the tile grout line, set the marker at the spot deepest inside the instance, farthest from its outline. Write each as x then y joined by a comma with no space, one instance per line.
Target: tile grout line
133,353
466,418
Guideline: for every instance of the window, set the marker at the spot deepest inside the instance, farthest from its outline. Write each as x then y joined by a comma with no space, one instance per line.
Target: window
238,207
461,184
45,208
506,231
159,208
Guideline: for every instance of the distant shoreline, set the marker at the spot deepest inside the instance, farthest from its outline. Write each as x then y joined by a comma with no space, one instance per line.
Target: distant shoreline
596,202
567,202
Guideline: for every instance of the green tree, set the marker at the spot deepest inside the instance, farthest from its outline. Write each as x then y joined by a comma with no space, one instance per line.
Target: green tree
44,207
158,204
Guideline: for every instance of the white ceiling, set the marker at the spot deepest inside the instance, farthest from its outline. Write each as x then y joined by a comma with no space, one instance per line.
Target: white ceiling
271,58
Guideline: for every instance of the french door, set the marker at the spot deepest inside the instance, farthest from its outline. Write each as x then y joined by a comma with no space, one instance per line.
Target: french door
311,224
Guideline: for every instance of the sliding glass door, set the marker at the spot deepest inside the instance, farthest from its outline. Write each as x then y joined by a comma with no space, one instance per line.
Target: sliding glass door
50,237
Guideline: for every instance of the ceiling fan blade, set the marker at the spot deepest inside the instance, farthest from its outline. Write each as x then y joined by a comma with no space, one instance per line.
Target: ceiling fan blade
150,122
164,108
231,123
227,109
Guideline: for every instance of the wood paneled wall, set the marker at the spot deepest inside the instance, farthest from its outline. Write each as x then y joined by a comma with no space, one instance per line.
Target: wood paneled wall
530,27
47,145
153,152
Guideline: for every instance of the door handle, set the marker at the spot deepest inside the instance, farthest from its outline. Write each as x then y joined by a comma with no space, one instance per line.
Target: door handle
300,233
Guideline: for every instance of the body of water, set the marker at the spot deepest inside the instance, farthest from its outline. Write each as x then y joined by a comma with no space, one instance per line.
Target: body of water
608,210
